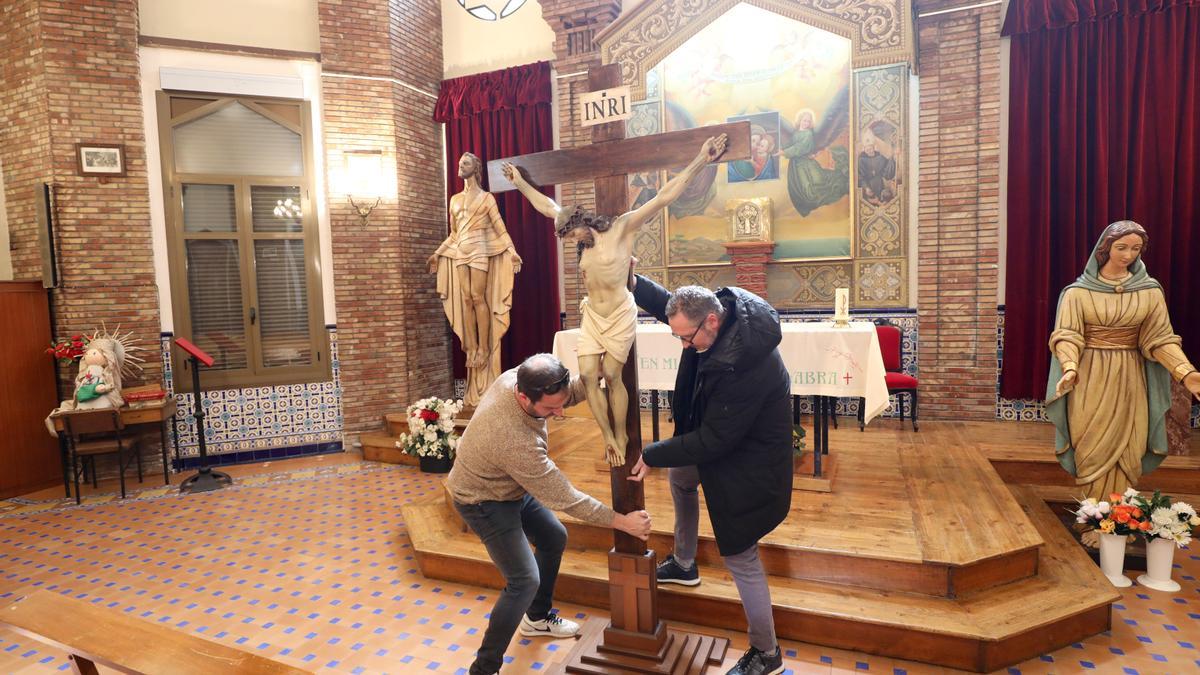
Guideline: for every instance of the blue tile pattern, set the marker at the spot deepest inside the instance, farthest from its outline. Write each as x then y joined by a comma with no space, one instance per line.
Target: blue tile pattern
257,419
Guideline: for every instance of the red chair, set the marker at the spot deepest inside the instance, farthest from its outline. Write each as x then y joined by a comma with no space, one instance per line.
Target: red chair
891,345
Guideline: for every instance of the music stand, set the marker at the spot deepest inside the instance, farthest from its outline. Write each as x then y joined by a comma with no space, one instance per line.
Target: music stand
206,479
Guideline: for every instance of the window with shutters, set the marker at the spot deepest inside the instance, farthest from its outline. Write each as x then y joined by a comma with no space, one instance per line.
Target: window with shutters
242,238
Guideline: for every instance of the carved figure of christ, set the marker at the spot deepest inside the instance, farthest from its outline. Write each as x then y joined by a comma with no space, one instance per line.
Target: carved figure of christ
609,314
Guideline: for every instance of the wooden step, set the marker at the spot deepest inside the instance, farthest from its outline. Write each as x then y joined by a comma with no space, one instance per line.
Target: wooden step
382,448
397,423
1066,601
900,517
1039,466
1023,454
841,567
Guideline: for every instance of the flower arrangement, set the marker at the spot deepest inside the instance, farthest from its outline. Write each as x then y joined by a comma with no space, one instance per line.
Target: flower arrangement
67,350
431,428
1122,514
1167,520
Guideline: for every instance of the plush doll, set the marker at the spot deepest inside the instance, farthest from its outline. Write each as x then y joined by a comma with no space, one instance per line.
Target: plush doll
107,358
98,384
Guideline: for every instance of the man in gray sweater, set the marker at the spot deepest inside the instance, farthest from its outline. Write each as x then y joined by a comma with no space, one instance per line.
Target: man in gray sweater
506,487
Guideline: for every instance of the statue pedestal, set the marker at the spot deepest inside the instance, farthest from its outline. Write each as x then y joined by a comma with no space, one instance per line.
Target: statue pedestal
750,259
635,641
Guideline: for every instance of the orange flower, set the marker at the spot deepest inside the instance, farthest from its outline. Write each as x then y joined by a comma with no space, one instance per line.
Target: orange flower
1114,498
1121,517
1144,526
1137,513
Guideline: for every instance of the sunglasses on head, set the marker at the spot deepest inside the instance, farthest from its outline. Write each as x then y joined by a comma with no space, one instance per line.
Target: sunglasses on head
556,386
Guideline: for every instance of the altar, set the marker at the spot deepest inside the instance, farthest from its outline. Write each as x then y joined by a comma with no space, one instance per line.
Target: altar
823,360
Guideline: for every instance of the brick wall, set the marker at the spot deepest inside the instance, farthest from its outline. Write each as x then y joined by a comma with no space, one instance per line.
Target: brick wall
71,75
575,23
393,336
958,209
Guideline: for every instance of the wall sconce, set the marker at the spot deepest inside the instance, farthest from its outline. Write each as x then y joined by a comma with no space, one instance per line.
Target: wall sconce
363,210
364,179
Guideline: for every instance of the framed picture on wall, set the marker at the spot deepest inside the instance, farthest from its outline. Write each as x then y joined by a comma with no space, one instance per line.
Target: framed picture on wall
100,159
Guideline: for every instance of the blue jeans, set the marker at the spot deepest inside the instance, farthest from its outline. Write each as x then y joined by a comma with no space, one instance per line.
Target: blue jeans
507,529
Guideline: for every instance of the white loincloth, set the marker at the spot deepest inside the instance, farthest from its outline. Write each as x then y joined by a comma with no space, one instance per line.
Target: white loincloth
613,334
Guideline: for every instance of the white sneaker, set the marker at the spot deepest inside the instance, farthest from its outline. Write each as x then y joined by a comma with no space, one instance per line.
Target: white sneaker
551,626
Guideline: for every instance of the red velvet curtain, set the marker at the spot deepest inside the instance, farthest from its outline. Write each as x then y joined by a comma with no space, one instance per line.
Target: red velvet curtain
1104,125
501,114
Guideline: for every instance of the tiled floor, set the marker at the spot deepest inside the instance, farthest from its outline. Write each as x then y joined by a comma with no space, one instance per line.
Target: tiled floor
309,563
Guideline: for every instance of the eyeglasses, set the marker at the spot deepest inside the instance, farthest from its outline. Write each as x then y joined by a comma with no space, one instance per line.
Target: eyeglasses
689,339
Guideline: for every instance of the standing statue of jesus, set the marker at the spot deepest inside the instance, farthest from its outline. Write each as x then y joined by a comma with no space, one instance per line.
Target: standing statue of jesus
605,246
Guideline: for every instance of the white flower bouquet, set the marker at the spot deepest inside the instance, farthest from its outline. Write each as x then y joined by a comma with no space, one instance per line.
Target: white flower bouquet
431,428
1173,521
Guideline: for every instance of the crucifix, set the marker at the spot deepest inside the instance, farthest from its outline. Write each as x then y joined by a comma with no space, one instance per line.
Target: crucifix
635,640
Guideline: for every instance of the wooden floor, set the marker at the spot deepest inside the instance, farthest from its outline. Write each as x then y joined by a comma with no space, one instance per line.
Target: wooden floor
920,552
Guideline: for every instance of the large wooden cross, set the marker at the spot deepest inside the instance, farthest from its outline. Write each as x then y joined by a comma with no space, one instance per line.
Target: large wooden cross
607,161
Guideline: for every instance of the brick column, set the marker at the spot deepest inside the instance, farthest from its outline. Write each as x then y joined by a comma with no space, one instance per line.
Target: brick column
750,259
24,128
575,24
958,232
392,335
71,74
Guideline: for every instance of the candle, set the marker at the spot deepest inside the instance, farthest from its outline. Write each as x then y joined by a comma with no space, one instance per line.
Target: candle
841,304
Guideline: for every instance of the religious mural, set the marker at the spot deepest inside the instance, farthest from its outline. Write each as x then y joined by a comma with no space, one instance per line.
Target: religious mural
845,132
791,81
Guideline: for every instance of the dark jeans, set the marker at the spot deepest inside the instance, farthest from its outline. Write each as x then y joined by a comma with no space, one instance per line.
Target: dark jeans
507,529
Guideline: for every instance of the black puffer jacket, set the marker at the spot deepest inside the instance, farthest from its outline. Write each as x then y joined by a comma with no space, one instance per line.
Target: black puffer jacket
732,413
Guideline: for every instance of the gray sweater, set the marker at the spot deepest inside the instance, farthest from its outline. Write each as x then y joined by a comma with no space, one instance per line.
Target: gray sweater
503,455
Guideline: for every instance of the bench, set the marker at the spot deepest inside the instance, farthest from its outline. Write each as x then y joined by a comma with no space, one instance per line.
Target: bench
95,635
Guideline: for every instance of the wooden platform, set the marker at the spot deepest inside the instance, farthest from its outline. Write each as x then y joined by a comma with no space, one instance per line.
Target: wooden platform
1023,453
921,552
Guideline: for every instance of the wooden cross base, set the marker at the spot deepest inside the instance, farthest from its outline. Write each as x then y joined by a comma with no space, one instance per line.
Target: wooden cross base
635,641
601,651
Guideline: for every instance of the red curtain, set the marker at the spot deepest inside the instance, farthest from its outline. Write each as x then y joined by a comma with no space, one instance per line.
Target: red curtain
1104,125
501,114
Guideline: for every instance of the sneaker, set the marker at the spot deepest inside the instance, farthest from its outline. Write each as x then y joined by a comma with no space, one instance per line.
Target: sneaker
551,626
671,572
754,662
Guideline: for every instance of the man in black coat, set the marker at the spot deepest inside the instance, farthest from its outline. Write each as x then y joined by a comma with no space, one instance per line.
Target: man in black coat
733,435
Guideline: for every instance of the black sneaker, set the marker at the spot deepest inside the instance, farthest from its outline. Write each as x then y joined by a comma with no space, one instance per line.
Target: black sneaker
671,572
754,662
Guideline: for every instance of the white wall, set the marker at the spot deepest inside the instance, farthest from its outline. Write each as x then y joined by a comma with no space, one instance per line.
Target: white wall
471,45
272,24
6,271
232,70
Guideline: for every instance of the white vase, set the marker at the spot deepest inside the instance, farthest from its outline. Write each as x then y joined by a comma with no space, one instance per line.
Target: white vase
1160,554
1112,559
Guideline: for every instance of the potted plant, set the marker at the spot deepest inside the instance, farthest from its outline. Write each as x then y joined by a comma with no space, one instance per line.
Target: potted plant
431,436
1115,520
798,434
1169,526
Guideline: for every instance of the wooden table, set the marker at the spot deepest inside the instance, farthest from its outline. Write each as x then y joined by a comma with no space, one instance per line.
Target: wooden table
159,412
